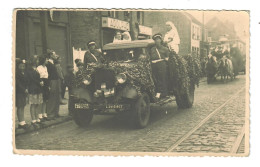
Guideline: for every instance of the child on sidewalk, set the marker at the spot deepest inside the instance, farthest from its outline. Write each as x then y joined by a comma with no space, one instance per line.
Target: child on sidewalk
42,69
21,92
35,91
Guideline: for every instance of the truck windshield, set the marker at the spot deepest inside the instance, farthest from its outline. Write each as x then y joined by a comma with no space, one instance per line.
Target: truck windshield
124,55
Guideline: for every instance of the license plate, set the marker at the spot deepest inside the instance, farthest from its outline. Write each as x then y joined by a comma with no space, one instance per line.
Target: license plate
114,106
81,106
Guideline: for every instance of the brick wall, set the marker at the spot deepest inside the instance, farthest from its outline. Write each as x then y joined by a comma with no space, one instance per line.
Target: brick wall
85,26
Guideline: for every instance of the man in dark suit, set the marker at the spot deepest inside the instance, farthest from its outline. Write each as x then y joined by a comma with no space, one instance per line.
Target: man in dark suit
158,56
92,55
53,103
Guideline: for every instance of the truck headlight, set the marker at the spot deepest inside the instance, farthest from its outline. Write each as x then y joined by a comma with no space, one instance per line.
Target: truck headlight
87,80
121,78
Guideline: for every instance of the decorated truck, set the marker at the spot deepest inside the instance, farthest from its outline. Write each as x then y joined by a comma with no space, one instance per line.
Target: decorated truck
124,84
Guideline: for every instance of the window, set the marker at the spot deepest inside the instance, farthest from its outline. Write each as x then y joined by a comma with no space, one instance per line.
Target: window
112,14
105,13
196,32
193,32
126,15
140,17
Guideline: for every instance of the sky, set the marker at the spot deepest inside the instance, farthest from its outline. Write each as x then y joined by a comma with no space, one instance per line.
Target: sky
239,18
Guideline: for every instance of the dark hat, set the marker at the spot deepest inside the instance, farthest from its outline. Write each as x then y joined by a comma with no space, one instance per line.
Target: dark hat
92,42
158,35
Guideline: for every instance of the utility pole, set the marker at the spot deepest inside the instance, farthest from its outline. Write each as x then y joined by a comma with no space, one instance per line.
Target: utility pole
44,30
203,28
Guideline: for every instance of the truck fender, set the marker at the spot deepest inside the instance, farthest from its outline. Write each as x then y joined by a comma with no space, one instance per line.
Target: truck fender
129,92
82,93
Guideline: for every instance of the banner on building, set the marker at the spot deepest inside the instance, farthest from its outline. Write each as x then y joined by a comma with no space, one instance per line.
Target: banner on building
115,24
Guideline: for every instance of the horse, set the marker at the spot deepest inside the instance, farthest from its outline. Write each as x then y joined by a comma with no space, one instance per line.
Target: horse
211,68
226,69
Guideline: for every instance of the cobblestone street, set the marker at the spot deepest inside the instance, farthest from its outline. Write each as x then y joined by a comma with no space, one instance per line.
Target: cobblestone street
215,124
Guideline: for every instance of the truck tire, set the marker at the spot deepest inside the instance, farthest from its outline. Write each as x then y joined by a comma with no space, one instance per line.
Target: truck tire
141,111
186,99
82,117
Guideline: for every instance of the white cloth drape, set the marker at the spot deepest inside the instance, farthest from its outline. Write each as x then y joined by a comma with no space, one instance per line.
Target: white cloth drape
172,34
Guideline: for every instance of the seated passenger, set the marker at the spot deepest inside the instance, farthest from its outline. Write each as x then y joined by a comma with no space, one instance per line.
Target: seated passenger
159,55
126,36
117,37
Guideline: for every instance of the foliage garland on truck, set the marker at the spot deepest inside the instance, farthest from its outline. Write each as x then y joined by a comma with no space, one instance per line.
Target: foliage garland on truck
138,75
194,68
183,72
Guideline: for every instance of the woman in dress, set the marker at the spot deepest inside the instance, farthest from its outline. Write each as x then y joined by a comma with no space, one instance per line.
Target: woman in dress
35,90
42,69
172,37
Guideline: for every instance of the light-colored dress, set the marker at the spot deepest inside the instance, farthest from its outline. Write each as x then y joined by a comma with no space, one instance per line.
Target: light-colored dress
44,77
43,71
173,34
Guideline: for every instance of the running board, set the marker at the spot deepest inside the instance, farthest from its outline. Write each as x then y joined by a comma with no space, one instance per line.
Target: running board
165,100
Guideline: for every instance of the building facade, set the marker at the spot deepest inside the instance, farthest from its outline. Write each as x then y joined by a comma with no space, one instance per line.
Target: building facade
101,26
37,31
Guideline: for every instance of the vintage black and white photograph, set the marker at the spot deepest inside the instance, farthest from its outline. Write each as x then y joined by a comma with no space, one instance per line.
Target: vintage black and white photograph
131,82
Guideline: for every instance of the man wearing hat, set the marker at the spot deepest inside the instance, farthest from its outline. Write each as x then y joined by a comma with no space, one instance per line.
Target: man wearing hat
159,56
92,55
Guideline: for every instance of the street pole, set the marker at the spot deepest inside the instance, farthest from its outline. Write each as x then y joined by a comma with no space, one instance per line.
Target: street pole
203,27
44,30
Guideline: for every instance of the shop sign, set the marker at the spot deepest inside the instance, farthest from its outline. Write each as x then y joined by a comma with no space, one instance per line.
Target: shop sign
115,24
145,30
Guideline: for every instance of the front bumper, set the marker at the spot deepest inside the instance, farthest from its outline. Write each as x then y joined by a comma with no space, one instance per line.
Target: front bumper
102,109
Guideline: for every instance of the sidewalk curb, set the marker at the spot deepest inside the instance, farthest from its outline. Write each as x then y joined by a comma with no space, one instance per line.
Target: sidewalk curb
45,125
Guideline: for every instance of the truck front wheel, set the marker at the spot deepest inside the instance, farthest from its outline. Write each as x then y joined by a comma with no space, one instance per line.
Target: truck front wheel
185,100
141,111
82,117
